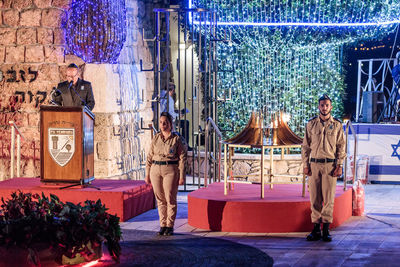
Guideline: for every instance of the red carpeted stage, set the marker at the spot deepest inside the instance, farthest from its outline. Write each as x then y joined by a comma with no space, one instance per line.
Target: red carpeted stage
282,210
124,198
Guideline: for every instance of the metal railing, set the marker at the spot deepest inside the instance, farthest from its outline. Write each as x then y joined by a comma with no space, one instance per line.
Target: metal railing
350,125
211,122
375,79
15,130
185,44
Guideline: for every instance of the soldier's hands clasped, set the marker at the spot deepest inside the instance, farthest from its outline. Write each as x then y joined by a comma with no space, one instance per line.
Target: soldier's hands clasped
307,171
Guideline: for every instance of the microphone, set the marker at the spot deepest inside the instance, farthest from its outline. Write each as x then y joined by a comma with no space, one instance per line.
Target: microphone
55,93
83,102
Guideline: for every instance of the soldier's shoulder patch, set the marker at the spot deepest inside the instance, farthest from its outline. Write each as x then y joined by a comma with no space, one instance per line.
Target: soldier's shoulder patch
180,137
63,83
336,119
85,82
176,134
313,118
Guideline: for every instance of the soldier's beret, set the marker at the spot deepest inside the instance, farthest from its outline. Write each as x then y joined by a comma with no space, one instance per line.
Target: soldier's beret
324,97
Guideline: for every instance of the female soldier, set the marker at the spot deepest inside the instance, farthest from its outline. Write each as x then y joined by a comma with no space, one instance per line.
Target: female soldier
165,169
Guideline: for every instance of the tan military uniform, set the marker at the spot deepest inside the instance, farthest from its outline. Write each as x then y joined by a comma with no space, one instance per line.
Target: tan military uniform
165,176
323,141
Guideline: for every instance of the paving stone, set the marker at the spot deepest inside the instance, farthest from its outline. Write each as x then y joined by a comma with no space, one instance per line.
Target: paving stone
389,244
369,245
372,240
323,259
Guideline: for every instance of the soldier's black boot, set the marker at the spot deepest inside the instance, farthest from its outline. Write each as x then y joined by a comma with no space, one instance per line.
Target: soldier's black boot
315,234
326,237
169,231
162,231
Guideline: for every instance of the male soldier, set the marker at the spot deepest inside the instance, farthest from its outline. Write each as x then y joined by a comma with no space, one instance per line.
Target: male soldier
323,153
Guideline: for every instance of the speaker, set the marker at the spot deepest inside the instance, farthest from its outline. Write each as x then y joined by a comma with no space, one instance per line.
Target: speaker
372,106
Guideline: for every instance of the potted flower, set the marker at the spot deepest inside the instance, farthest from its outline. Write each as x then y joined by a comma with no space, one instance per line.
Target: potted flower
73,232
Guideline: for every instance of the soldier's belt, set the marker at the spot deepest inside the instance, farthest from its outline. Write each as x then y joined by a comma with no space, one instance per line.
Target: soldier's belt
322,160
172,162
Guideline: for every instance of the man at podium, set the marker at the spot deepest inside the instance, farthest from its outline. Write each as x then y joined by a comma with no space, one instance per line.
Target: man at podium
74,92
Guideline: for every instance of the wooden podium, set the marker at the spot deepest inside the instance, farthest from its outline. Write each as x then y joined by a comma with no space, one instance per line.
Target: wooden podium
66,144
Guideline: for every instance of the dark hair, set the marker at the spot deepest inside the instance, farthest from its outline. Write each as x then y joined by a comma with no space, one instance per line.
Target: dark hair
73,65
171,86
166,114
324,97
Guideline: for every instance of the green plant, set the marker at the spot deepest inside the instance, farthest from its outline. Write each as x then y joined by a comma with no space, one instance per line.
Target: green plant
26,219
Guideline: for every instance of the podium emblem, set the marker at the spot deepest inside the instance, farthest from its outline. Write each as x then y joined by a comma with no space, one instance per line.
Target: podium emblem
61,144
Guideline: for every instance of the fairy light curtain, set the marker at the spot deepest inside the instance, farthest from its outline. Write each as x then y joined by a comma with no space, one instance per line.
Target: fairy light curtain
96,29
287,65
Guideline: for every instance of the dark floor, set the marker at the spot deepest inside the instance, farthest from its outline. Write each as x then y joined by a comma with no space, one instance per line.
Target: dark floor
371,240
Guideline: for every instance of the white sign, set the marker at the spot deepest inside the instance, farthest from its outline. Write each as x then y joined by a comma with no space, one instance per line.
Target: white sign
61,144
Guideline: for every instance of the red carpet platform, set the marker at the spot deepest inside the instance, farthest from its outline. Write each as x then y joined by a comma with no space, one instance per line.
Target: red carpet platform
282,210
124,198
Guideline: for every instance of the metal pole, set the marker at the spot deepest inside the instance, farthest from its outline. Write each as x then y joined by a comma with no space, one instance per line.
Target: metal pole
192,83
370,75
355,154
206,156
214,74
262,171
225,170
208,98
167,62
219,162
158,67
358,90
217,132
345,162
178,68
271,155
12,150
18,154
185,83
198,95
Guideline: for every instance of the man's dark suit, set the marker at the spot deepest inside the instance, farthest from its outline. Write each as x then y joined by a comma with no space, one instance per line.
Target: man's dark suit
69,98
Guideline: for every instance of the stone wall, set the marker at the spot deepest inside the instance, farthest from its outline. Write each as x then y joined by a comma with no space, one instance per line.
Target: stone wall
249,166
33,59
123,108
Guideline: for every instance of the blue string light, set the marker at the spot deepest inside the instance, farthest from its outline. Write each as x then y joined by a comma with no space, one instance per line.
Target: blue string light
308,13
284,54
304,24
96,29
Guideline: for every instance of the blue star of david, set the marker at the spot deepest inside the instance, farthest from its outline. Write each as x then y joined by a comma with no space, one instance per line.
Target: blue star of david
395,147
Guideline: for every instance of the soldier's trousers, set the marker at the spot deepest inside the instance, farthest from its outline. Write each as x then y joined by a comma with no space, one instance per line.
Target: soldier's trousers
322,187
165,179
